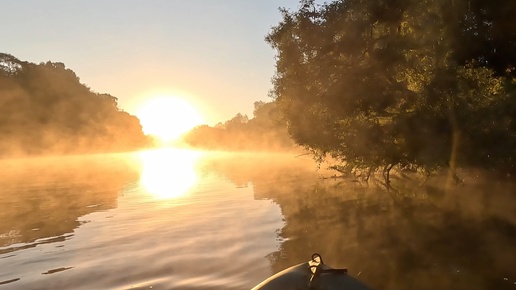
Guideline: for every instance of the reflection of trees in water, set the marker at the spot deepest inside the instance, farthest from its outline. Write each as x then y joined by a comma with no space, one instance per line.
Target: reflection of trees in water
405,242
429,239
44,197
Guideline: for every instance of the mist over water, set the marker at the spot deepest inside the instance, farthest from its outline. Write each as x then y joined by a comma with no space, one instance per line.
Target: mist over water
178,219
46,110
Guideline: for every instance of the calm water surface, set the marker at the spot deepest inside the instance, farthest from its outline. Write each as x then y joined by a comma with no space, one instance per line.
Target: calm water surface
177,219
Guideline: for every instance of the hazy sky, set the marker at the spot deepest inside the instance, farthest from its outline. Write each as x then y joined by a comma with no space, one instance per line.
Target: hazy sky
210,51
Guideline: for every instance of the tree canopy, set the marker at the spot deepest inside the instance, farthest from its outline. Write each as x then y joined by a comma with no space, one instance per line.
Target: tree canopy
265,131
379,83
45,109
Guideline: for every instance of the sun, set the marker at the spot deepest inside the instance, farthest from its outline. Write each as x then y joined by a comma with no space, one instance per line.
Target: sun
167,117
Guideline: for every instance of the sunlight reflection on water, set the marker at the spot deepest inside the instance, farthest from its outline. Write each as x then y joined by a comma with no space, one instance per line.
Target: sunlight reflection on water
160,218
168,173
179,219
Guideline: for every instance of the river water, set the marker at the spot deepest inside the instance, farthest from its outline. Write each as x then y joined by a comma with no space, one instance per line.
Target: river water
179,219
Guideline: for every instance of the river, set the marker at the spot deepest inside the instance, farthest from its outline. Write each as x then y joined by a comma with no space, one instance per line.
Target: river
179,219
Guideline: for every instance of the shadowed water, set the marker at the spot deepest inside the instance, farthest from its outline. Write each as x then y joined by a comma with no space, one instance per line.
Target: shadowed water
172,219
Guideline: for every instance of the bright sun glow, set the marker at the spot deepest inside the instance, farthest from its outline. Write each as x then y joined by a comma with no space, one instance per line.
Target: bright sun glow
168,117
168,173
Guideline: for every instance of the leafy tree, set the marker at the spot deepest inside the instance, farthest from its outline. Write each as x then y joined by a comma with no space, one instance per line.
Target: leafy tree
377,84
236,123
265,131
45,109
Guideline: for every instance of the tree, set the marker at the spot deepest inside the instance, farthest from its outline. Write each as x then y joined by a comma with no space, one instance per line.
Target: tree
45,109
379,83
236,123
265,131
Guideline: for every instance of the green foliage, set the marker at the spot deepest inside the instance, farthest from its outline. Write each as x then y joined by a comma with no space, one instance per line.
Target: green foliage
399,82
44,109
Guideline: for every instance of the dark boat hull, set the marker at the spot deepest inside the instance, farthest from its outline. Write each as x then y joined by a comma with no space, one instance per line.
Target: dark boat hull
298,278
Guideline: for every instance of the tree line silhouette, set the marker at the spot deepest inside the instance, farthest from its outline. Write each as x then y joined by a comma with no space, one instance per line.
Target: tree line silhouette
45,109
382,83
265,131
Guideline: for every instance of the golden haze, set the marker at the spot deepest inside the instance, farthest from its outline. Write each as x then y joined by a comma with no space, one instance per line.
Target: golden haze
168,117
